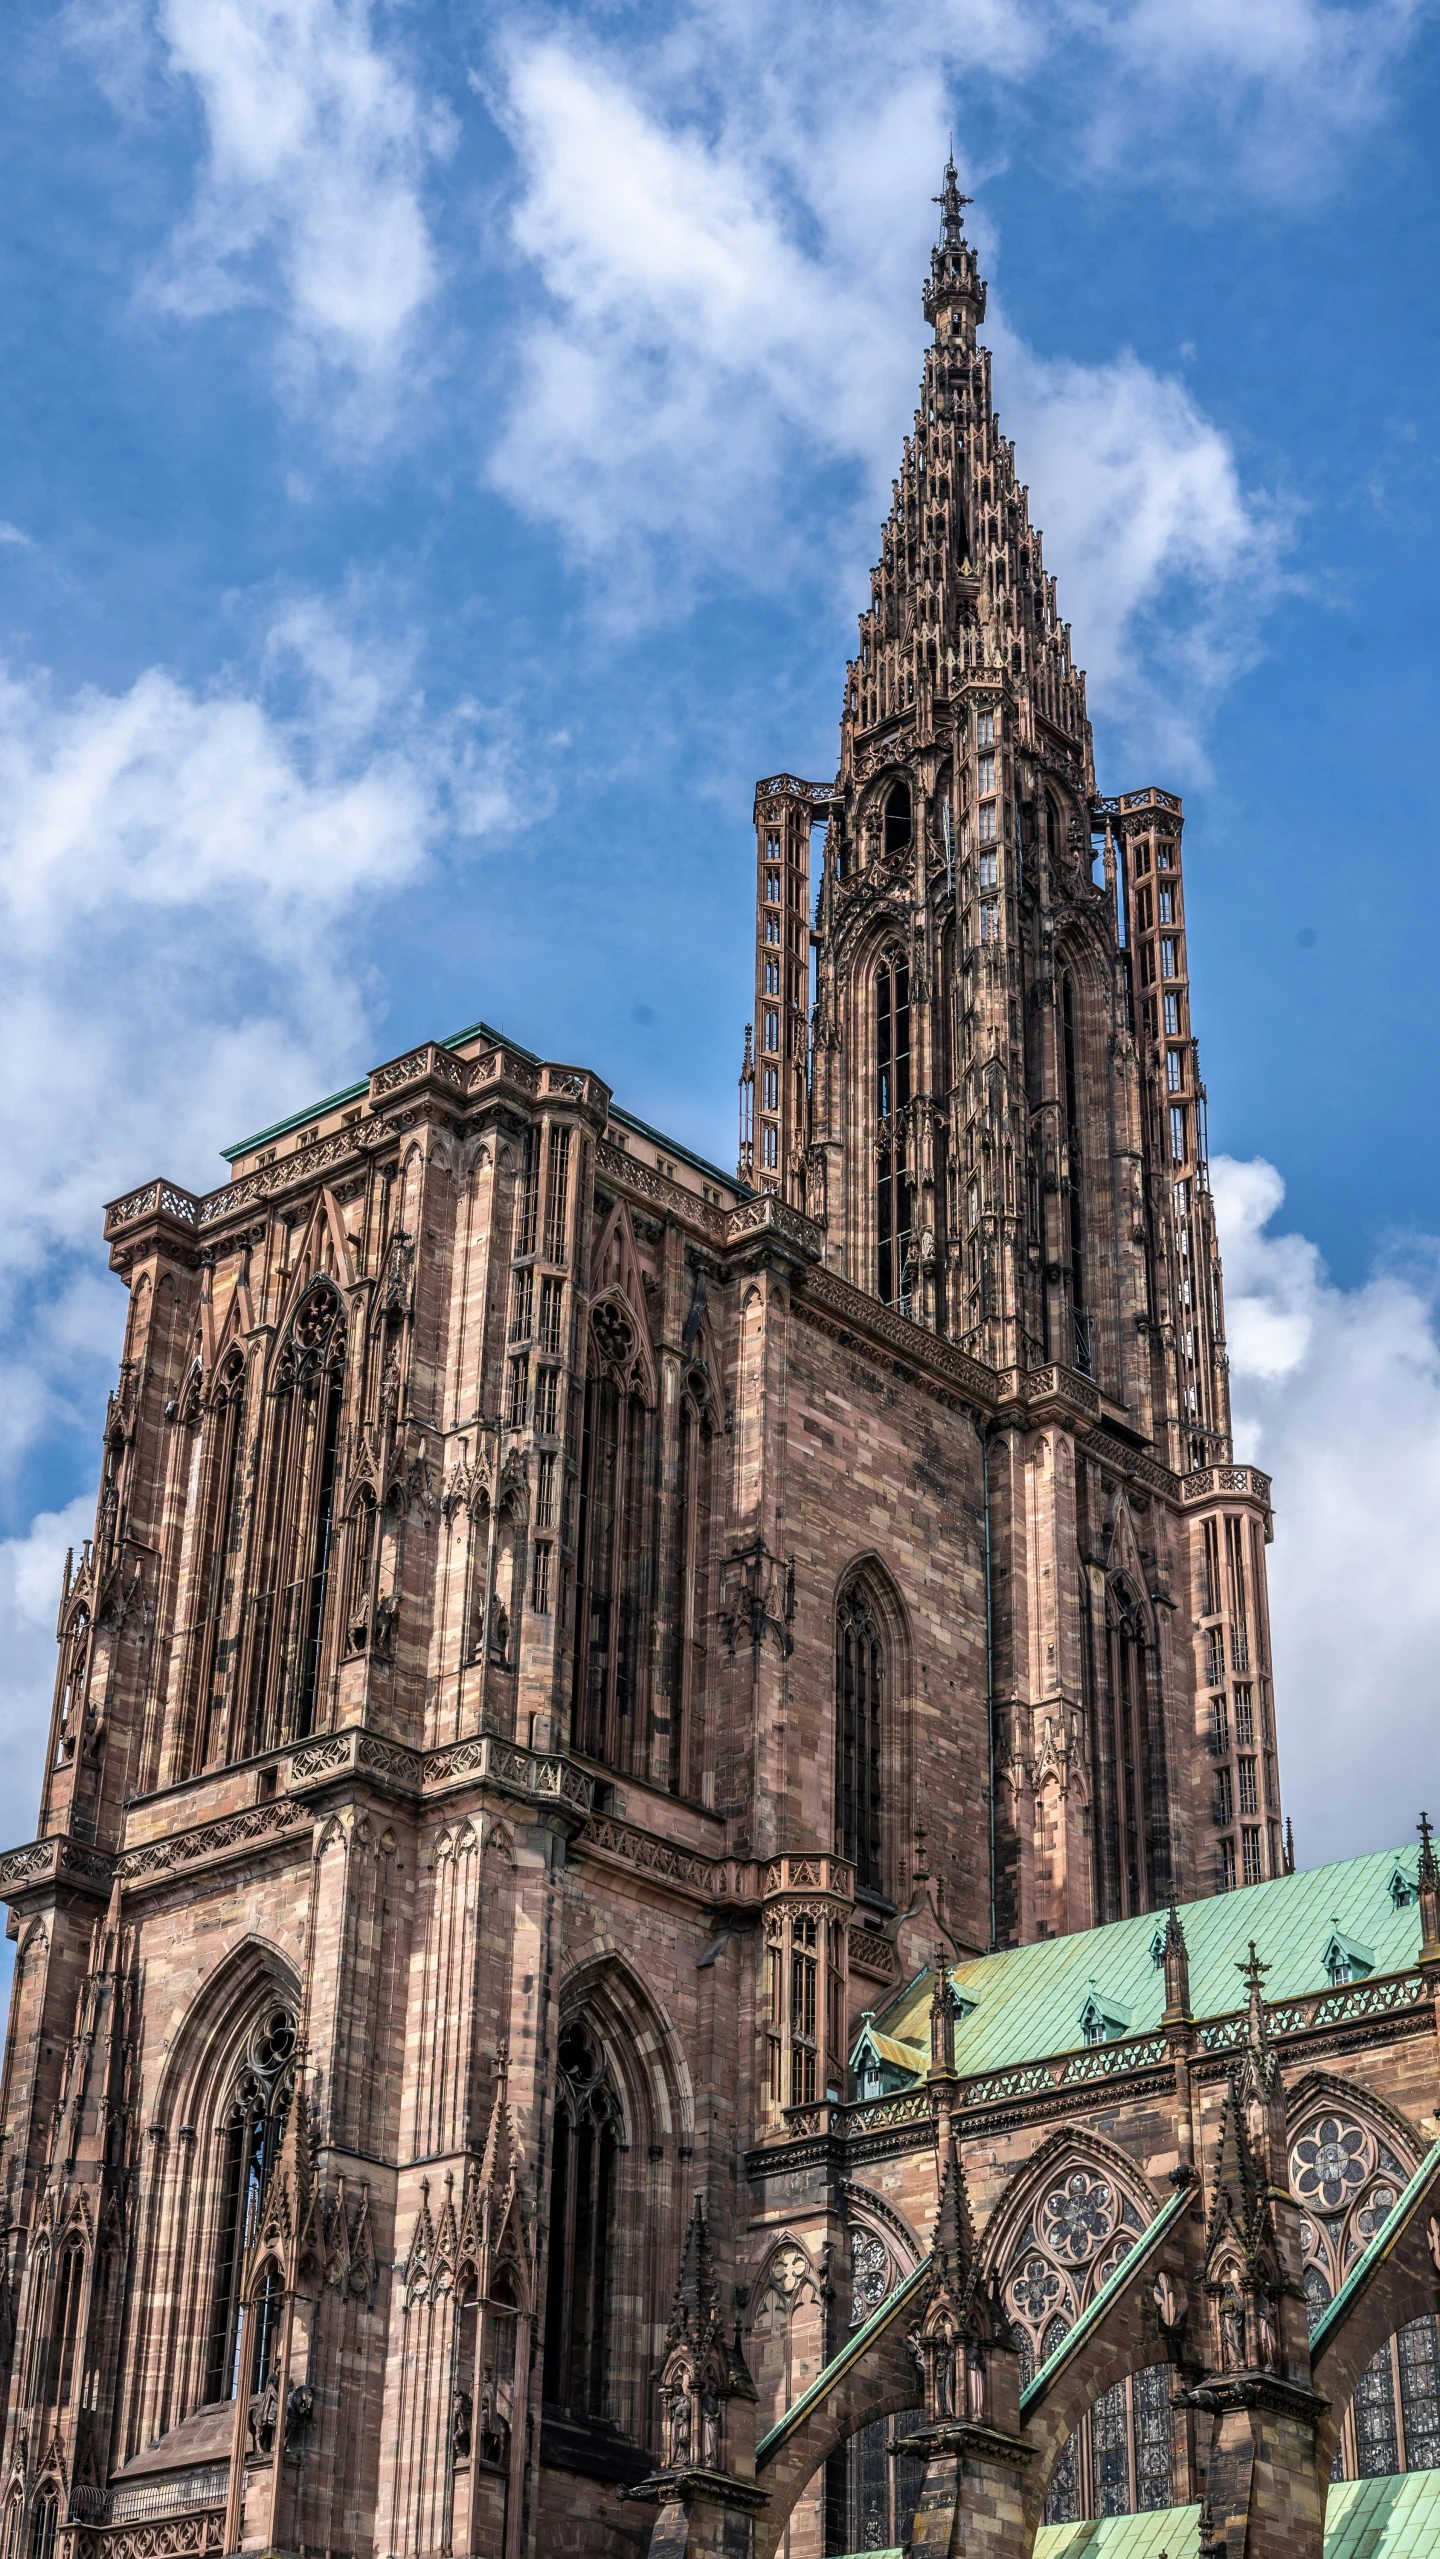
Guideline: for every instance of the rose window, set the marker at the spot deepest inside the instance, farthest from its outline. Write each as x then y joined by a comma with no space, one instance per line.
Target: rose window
1328,2164
869,2275
1078,2217
1035,2290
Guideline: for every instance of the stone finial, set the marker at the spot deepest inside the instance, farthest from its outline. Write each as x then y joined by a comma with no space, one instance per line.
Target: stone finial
1252,1973
942,2026
1177,1973
952,206
1428,1880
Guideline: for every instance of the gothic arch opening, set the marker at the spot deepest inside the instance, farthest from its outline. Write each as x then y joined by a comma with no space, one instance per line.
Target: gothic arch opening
623,2106
1350,2160
872,1730
899,821
894,1185
228,2086
611,1695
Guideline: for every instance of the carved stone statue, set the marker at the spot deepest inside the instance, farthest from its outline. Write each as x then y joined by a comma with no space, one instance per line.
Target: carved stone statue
709,2427
499,1634
460,2415
1266,2336
1232,2332
264,2416
681,2422
975,2386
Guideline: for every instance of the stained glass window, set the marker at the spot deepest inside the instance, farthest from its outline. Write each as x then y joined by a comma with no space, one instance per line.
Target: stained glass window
1154,2476
1377,2450
1419,2350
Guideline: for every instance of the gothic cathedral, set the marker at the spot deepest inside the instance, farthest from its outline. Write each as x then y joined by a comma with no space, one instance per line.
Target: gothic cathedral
661,1919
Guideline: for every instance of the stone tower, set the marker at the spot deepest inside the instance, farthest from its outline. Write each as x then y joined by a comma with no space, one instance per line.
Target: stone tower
997,1117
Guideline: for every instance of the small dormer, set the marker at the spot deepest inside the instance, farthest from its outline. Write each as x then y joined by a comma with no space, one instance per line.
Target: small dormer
1402,1888
1345,1959
1102,2019
883,2064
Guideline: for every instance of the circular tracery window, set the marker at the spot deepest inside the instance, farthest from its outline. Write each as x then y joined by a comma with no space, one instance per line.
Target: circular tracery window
869,2275
1078,2216
1330,2163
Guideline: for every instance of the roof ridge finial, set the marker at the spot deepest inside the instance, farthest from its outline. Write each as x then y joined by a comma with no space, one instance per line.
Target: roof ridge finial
952,203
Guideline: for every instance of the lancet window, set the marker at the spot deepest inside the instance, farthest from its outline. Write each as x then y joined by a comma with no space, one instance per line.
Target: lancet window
860,1738
221,1512
56,2318
1135,1868
298,1542
251,2127
583,2198
894,1202
615,1546
1081,1348
1347,2177
692,1593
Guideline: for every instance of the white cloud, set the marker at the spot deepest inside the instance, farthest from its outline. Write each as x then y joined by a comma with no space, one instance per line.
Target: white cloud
727,312
30,1578
310,192
1267,94
1337,1394
1140,500
181,873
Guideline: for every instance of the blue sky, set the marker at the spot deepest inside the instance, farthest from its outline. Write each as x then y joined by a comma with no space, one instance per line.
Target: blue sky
443,449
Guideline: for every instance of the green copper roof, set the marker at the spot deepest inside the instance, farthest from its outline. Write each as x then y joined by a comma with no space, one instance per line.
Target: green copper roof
1029,2000
1174,2533
1364,2519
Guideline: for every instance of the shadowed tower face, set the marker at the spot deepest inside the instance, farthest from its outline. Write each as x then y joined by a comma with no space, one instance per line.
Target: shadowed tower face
996,1114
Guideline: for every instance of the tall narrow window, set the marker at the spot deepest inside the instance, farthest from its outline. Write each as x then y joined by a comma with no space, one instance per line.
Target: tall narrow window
557,1195
251,2127
583,2199
804,2009
227,1449
894,1208
615,1549
1081,1356
321,1541
362,1561
859,1738
44,2522
526,1188
899,825
295,1548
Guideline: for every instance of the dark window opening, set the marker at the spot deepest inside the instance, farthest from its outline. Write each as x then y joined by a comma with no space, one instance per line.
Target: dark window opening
583,2201
899,823
859,1738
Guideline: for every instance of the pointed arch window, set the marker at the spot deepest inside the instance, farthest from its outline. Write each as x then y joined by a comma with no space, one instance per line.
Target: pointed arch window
894,1206
72,1686
1081,1349
583,2193
899,819
860,1738
615,1547
252,2126
297,1548
44,2523
362,1564
692,1577
221,1516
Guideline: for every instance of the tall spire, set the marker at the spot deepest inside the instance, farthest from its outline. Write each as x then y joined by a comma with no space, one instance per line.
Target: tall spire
954,290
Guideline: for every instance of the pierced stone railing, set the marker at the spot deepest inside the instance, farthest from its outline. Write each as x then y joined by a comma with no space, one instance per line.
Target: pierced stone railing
153,1199
1209,1481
